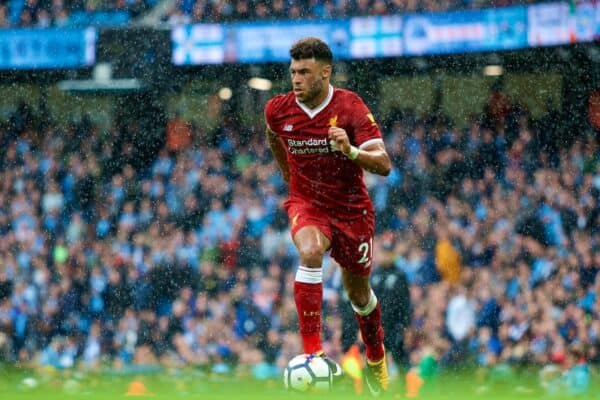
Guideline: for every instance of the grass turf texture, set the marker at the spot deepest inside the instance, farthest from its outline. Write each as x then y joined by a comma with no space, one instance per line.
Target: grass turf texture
192,384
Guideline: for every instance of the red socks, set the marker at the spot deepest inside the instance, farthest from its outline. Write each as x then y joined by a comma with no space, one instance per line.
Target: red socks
308,294
371,328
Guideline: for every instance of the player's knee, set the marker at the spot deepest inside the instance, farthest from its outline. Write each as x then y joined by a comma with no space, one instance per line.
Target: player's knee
311,254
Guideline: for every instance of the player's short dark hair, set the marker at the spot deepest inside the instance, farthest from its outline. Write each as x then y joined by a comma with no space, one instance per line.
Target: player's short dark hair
311,47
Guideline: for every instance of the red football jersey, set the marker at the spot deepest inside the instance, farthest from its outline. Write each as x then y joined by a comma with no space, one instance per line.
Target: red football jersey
325,178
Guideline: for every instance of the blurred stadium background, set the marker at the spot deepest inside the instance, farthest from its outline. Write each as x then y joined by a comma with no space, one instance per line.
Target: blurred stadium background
141,226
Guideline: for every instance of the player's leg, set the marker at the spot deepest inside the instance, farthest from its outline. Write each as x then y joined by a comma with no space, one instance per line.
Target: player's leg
352,248
308,286
367,312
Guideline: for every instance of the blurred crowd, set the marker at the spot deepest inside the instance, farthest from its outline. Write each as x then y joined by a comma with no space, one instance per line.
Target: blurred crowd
188,260
60,13
194,11
69,13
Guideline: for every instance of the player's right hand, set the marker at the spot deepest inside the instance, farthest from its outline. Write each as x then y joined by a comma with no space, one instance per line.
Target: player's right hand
339,140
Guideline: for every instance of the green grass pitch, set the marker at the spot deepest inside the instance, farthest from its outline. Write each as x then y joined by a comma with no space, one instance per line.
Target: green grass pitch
192,384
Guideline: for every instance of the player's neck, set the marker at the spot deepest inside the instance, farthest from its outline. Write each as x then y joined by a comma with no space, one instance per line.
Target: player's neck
320,99
317,101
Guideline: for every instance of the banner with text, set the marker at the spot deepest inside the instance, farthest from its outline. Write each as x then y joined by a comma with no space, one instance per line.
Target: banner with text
361,37
561,23
494,29
467,31
47,48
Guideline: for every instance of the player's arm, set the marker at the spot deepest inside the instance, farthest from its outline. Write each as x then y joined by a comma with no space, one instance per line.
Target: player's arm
279,152
373,157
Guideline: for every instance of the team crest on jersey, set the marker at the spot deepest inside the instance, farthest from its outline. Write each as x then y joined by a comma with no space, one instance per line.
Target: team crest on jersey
288,127
333,121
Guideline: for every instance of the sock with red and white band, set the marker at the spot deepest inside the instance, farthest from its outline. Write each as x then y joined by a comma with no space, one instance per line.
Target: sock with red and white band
308,294
371,328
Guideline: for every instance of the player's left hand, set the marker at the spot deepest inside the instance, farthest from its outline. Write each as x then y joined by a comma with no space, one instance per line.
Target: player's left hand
338,139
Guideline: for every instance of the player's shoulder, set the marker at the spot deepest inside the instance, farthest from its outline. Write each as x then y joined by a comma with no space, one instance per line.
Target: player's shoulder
279,102
347,96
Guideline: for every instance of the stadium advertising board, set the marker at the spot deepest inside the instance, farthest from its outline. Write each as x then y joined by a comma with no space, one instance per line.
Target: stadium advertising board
561,23
270,42
467,31
372,37
47,48
198,44
261,42
492,29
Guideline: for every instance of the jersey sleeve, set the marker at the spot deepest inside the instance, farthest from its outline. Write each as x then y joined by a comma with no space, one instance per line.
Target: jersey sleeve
269,113
272,108
365,129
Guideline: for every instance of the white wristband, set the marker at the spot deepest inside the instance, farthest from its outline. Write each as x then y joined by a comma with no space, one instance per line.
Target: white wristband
353,153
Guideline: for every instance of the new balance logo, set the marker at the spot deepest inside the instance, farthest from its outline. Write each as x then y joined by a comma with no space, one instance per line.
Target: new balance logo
288,127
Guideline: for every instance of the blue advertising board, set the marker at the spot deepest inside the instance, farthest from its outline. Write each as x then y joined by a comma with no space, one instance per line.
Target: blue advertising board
361,37
47,48
561,23
198,44
466,31
493,29
376,36
260,42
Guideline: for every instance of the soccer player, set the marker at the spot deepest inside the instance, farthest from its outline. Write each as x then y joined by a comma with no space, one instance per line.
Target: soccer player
322,138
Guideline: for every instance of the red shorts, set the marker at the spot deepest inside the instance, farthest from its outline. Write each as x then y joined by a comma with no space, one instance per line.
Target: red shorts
351,239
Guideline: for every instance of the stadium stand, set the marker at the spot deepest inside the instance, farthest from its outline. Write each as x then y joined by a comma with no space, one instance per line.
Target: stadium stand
186,11
109,266
58,13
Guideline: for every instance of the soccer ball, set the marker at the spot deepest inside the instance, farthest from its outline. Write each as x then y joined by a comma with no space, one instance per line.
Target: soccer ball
307,372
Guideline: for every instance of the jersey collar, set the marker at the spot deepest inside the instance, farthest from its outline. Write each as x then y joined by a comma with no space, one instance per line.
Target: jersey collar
312,112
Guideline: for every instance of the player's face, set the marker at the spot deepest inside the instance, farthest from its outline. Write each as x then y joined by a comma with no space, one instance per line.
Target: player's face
310,80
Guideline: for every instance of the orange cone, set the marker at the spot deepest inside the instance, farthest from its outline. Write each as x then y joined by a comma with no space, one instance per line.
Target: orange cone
413,384
137,388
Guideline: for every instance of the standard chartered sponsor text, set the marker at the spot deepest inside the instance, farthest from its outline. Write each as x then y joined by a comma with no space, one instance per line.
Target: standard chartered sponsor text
307,142
308,146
